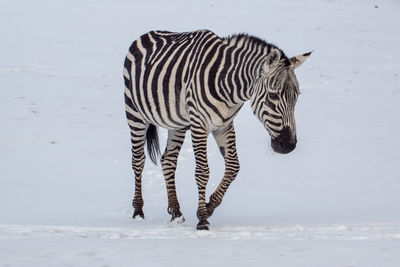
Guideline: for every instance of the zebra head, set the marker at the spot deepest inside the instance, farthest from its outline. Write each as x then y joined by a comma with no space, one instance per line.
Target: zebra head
275,96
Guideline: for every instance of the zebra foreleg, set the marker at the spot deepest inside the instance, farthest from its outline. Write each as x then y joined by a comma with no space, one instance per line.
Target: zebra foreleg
226,142
169,162
199,140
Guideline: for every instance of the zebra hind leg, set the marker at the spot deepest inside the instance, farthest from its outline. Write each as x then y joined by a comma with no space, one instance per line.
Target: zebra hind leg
138,137
169,162
226,142
140,131
139,128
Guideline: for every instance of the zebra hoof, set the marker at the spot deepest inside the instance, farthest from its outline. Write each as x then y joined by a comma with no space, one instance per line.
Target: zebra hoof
138,213
176,214
178,219
203,225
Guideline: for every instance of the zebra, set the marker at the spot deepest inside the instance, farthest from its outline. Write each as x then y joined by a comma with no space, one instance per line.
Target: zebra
199,81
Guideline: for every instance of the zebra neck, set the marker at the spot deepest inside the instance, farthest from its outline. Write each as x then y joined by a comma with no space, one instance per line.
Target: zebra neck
244,57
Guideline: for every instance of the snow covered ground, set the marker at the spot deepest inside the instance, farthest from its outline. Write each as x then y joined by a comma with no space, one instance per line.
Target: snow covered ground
65,179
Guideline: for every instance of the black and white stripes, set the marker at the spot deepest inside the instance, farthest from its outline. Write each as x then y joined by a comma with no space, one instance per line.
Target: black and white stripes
199,81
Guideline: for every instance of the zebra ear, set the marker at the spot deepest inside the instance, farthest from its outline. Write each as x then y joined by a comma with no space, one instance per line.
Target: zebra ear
299,59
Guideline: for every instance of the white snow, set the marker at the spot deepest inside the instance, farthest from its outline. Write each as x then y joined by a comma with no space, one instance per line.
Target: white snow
65,179
164,231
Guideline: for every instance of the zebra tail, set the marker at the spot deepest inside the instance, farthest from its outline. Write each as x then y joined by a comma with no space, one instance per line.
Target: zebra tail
153,146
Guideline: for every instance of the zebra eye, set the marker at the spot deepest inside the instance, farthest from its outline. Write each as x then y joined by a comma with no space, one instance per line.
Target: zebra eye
273,96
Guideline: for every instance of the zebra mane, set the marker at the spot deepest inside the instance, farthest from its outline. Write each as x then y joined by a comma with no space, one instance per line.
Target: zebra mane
244,37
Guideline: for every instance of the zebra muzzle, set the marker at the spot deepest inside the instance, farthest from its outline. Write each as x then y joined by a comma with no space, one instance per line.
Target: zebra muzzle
285,142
